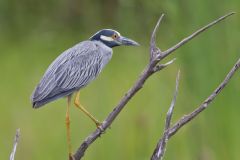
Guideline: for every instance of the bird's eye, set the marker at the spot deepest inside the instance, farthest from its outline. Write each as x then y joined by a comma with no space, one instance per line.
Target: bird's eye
114,36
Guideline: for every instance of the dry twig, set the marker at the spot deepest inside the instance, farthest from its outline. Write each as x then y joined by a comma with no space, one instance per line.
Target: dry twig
187,118
161,146
156,55
16,139
159,150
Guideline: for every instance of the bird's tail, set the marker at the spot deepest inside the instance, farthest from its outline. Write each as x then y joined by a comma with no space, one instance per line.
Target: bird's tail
48,99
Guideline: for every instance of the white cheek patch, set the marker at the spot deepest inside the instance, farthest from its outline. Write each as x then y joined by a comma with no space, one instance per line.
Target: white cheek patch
105,38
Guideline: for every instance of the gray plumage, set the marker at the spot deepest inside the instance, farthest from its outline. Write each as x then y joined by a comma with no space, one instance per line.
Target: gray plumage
71,71
77,66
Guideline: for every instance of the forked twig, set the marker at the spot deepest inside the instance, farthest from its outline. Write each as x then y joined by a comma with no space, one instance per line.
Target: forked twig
187,118
160,148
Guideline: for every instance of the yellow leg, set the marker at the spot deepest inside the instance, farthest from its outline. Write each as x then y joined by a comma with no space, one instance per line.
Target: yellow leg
79,106
68,129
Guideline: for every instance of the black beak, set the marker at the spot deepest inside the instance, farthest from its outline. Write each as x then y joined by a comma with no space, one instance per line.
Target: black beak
126,41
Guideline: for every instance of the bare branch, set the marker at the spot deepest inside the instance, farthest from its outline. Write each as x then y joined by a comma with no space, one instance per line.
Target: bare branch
16,139
159,67
153,48
161,146
169,132
171,108
147,72
185,119
187,39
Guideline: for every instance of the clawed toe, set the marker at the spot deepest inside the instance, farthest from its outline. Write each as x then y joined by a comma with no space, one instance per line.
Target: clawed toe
99,126
71,157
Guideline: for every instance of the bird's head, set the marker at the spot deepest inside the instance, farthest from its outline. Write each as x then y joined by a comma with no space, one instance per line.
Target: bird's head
112,38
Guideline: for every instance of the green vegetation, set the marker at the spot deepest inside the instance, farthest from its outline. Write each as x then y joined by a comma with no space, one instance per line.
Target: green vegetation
33,33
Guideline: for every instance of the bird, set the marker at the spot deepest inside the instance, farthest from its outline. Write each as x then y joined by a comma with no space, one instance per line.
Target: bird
74,69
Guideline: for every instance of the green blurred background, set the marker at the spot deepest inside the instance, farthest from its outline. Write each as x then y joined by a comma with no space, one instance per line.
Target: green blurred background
34,32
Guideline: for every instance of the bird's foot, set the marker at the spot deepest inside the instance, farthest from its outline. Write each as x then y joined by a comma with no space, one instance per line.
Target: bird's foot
71,157
99,126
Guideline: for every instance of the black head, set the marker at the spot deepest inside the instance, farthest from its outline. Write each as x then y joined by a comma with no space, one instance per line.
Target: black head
112,38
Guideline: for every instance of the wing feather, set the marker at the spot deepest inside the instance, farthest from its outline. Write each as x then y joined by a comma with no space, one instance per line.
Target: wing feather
73,69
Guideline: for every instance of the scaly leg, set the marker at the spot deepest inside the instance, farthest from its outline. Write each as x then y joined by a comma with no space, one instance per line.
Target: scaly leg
68,129
79,106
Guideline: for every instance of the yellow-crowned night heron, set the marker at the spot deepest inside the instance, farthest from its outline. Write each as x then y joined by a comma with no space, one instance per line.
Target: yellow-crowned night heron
75,68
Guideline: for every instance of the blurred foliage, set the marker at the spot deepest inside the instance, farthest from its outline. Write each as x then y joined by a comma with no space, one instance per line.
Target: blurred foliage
34,32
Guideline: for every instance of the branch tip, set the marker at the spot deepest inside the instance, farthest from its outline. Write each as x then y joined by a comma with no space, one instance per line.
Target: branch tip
171,108
187,39
153,46
16,139
153,37
161,66
170,62
161,146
